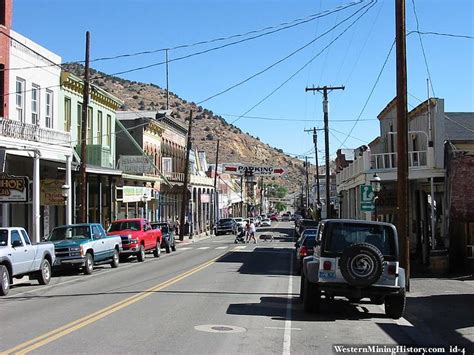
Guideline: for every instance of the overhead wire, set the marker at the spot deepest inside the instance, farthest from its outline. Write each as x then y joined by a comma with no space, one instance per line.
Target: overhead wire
366,8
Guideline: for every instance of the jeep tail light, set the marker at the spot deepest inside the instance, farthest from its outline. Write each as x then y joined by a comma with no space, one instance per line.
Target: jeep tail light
392,269
303,252
327,265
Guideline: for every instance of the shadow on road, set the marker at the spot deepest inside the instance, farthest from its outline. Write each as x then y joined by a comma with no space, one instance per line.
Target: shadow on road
261,261
276,309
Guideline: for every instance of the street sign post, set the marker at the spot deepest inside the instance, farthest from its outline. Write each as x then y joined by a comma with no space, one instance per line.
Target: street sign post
366,199
238,169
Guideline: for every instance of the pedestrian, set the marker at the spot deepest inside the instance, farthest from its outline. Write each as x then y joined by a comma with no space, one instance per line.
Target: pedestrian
247,232
176,227
253,231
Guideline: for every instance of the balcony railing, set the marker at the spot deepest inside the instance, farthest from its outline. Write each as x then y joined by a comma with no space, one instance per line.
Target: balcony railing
201,180
97,155
33,133
172,176
389,160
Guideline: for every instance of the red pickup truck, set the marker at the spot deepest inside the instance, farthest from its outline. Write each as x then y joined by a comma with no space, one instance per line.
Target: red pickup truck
138,237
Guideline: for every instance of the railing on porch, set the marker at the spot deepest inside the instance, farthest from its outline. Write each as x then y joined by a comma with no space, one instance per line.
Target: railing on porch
201,180
173,176
389,160
33,133
97,155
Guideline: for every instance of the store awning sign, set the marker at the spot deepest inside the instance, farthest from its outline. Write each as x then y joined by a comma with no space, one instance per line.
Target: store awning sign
237,169
13,188
51,192
135,164
136,194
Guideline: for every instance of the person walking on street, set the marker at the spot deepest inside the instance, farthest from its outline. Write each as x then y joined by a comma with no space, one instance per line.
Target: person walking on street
247,232
253,230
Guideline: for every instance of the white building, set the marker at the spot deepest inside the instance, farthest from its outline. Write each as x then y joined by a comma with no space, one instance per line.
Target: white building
32,139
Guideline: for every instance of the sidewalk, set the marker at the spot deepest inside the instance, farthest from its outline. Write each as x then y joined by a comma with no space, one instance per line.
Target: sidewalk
194,239
443,307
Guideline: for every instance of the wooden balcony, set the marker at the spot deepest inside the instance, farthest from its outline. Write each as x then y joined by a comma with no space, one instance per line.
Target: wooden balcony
33,133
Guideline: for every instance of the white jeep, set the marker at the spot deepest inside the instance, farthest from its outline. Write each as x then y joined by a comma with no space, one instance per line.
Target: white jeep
354,259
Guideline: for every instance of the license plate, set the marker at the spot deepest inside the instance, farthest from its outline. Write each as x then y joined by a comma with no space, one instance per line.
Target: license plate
327,274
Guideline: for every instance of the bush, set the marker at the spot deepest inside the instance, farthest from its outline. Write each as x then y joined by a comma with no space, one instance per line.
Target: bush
135,97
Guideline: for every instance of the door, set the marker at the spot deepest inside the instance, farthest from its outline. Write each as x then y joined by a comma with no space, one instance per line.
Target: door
101,249
149,234
20,253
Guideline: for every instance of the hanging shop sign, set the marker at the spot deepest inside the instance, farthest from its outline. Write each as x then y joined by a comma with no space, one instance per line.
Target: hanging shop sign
136,194
237,169
13,188
51,192
135,164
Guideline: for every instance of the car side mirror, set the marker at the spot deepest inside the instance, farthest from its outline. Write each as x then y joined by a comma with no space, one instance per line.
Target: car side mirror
16,244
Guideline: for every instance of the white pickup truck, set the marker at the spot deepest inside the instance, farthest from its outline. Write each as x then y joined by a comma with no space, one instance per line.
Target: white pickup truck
19,257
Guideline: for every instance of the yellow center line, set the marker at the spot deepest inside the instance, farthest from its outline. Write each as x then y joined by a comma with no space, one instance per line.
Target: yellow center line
57,333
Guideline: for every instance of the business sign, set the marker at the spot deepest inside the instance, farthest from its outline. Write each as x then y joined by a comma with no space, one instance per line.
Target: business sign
13,188
136,193
366,198
237,169
135,164
51,192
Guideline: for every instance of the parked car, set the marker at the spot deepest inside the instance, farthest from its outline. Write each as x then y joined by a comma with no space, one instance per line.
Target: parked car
240,221
84,245
168,241
225,225
304,247
303,224
355,259
138,237
20,257
266,222
285,217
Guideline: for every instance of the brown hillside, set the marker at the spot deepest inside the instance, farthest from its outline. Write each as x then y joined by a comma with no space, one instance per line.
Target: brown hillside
235,145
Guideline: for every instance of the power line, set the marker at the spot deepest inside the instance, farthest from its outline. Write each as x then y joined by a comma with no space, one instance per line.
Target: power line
441,34
422,47
370,94
366,7
291,119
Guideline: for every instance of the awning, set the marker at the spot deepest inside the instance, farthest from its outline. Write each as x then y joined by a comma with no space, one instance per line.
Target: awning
141,178
92,169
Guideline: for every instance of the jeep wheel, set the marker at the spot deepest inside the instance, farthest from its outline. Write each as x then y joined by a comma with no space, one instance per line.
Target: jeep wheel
157,251
395,305
311,297
168,247
141,254
115,259
44,273
4,280
302,286
361,264
88,264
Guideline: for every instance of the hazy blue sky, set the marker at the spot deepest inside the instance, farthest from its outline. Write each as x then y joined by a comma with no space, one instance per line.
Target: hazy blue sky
354,60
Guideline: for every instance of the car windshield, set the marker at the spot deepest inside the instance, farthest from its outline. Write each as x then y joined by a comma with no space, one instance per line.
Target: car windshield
75,232
3,237
125,225
310,232
225,220
342,235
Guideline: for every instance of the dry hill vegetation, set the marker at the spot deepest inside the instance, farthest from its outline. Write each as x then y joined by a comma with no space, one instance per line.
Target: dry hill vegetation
235,145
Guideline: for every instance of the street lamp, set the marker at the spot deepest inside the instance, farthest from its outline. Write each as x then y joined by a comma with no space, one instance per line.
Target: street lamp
375,182
144,200
341,196
65,192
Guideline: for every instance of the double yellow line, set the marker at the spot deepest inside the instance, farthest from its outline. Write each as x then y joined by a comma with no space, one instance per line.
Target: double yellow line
55,334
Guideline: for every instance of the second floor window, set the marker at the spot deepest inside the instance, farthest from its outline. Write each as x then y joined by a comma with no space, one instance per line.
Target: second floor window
67,114
79,123
49,109
35,104
20,99
90,134
109,130
167,164
99,127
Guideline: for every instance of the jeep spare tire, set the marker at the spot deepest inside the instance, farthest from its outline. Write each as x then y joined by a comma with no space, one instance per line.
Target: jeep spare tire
362,264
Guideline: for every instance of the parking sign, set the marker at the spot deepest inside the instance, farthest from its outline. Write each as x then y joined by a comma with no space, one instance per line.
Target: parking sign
366,198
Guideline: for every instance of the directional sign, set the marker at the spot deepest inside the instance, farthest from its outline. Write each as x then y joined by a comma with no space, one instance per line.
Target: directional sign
238,169
366,198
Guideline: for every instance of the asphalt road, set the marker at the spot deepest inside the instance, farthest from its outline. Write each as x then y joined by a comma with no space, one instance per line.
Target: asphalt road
209,297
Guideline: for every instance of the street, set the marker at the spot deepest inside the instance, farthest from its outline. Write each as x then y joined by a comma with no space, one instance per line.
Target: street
208,297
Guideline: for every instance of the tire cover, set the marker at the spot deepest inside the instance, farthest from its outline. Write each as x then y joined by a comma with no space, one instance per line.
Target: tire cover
362,264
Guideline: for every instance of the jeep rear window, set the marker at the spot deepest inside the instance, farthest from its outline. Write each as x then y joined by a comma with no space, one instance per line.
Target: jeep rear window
340,236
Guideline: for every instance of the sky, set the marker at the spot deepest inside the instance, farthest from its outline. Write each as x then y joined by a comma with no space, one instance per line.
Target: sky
349,47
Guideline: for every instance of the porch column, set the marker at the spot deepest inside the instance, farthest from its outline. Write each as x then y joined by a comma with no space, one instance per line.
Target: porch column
71,189
36,198
433,215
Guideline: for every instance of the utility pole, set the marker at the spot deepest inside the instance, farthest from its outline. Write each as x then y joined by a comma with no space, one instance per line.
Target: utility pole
167,87
402,138
83,140
325,89
307,181
216,195
315,141
184,201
